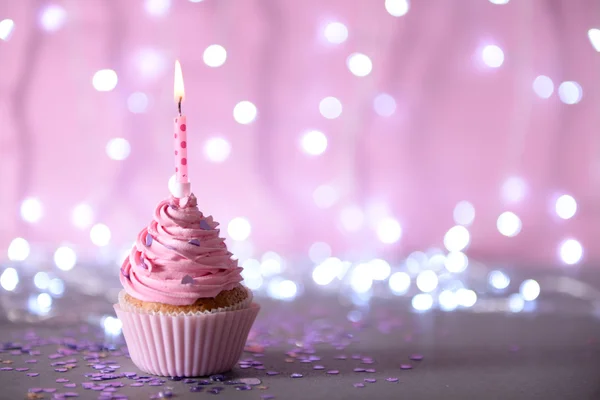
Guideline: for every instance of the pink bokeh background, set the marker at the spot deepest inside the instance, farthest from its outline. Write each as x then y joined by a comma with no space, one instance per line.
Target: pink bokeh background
460,128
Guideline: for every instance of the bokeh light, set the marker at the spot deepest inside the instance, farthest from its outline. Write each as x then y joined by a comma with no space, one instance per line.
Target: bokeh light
466,297
509,224
325,196
53,18
422,302
565,206
105,80
214,55
399,283
594,36
570,92
427,281
492,56
239,228
456,262
457,238
244,112
18,249
361,278
9,279
118,149
336,32
100,235
157,8
530,289
330,107
499,2
380,269
151,63
464,213
389,230
112,326
217,149
82,216
314,142
397,8
31,209
65,258
447,300
327,271
498,280
359,64
384,105
319,252
6,28
513,190
571,251
543,86
137,102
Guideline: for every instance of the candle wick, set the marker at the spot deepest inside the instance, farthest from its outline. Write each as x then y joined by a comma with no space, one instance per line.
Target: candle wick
179,106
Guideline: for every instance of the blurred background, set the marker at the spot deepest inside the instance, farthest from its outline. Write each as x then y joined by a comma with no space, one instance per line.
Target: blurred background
387,147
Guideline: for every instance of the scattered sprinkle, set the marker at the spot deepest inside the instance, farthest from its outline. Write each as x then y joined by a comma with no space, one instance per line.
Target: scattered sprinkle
391,379
296,375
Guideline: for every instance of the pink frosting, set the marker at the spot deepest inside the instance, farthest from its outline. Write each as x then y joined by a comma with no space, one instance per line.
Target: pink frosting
179,257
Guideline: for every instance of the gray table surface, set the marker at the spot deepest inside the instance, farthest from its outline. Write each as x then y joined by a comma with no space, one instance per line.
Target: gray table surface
466,356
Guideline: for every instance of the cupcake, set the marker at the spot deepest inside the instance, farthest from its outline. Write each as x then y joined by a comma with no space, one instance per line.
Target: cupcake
183,308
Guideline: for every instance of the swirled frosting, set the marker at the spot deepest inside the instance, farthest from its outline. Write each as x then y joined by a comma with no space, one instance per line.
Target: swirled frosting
179,257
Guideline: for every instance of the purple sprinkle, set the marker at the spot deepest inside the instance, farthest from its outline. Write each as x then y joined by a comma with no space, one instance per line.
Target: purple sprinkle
296,375
416,357
57,364
32,374
71,394
49,390
154,384
305,361
196,388
187,280
243,387
391,379
260,367
405,366
245,366
35,390
136,384
31,361
110,389
54,356
6,369
318,367
359,385
270,373
204,382
188,381
61,369
21,369
205,226
148,240
356,356
62,380
217,378
370,370
70,385
370,380
359,370
333,372
129,374
194,242
267,397
367,362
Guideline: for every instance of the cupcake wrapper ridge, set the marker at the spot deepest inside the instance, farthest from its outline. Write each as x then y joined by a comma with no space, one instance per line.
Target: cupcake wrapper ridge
187,345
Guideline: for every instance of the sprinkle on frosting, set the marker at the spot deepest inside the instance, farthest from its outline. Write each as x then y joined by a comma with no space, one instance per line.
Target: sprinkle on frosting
185,259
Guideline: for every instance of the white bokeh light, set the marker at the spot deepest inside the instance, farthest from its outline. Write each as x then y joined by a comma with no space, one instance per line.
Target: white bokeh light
389,230
571,251
427,281
361,279
466,297
492,56
112,326
516,303
65,258
217,149
214,55
53,18
422,302
380,269
464,213
570,92
530,289
244,112
100,235
336,32
397,8
327,271
251,274
513,189
157,7
498,280
151,63
509,224
314,142
565,206
543,86
325,196
118,149
41,280
456,262
31,209
447,300
330,107
239,228
9,279
6,28
82,216
359,64
18,249
594,36
137,102
319,251
287,290
44,301
499,2
399,283
352,218
56,287
457,238
105,80
384,105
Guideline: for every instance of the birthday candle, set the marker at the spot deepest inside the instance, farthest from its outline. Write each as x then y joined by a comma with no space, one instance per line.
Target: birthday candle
180,135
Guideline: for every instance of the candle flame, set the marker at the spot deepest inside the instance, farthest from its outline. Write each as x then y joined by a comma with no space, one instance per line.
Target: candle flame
179,91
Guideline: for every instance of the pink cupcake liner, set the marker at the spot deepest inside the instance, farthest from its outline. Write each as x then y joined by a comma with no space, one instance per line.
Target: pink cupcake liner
186,345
